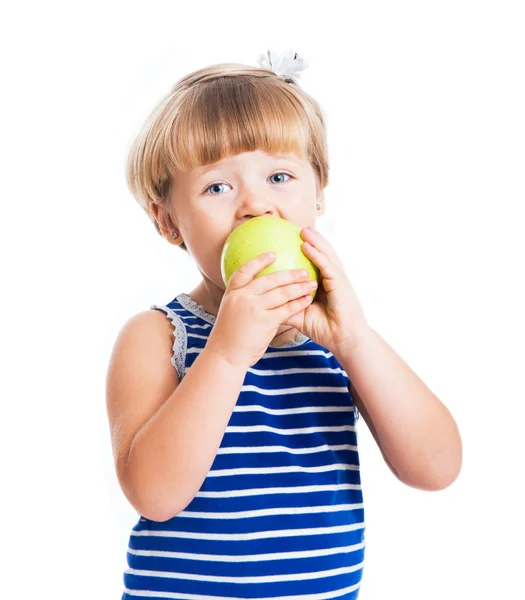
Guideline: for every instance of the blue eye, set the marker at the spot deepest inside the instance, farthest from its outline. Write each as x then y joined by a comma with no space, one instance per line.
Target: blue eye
217,185
280,174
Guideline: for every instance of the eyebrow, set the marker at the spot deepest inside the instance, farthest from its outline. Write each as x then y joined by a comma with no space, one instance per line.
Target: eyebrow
207,168
287,157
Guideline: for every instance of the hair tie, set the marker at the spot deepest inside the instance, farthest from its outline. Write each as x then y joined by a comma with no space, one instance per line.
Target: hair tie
284,64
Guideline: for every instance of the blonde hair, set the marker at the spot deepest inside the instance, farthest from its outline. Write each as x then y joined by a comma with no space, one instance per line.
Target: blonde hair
219,111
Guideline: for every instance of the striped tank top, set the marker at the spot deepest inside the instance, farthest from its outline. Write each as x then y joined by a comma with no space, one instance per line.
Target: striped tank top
280,514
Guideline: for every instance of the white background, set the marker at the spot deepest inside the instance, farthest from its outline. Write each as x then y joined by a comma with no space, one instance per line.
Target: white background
426,128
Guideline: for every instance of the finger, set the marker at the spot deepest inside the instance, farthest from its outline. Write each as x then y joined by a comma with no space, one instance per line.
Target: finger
246,273
318,241
264,283
292,308
283,295
326,267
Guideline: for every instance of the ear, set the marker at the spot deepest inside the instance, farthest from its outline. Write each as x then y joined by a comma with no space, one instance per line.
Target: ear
165,222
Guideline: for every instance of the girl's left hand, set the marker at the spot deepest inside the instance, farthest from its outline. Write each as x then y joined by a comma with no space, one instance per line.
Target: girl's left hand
335,318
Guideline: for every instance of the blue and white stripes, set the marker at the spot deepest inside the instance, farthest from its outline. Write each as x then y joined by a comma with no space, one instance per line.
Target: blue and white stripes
280,514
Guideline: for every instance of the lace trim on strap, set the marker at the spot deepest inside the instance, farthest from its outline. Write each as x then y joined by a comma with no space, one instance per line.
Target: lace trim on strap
178,358
192,306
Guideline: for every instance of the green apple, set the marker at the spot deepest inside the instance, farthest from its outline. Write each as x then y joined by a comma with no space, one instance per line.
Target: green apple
265,234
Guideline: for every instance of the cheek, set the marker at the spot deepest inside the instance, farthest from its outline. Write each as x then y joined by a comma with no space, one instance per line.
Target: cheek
206,248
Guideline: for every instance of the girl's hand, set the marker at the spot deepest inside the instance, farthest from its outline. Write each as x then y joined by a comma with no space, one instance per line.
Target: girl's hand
335,318
252,309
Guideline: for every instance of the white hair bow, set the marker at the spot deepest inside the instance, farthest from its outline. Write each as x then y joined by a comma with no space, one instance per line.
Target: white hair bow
286,64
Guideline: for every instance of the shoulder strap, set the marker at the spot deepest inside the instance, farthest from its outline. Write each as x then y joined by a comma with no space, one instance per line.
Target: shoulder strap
180,343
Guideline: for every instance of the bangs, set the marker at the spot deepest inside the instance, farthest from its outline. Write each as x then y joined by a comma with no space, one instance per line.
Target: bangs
228,116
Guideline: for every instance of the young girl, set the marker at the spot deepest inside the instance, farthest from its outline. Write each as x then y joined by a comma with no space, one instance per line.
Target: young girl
233,408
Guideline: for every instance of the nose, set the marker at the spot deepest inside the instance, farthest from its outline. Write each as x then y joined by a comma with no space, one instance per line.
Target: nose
255,202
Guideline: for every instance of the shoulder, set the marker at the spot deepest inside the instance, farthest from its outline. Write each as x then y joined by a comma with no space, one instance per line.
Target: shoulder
150,321
149,332
140,362
158,319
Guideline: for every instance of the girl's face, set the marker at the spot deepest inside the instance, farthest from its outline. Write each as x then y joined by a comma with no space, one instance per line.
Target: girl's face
209,202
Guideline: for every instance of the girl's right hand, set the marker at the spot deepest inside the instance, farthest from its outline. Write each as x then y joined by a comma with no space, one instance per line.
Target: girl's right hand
253,308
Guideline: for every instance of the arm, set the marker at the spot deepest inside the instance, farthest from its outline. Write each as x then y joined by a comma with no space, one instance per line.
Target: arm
362,409
172,454
165,433
417,435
